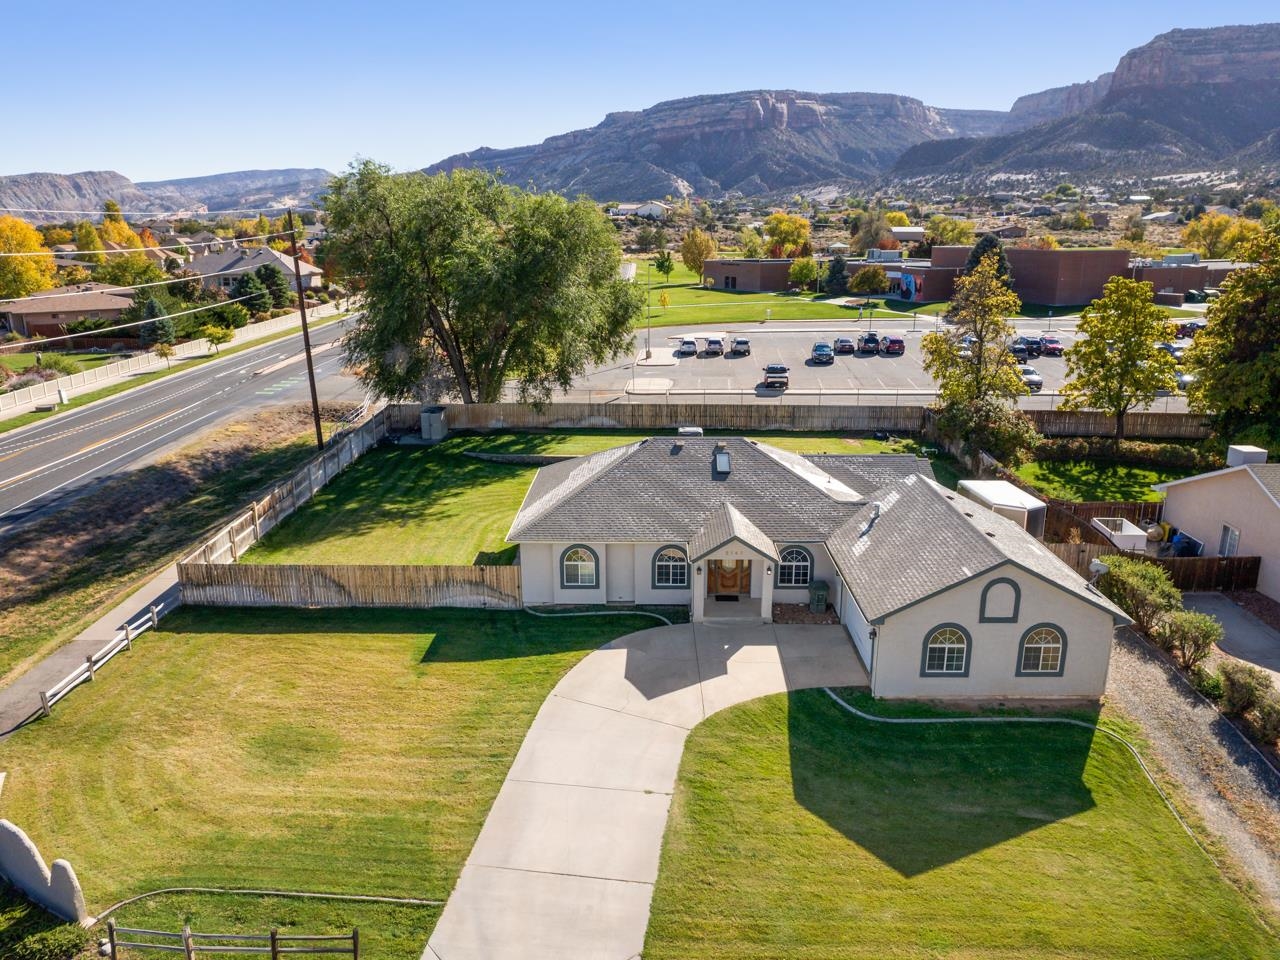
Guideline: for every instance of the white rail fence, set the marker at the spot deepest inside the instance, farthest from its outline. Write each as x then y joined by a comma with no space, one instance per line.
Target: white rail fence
74,383
85,673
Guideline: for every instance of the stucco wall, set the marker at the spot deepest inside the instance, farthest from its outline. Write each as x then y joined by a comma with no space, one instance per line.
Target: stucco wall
1235,499
56,889
646,592
993,658
536,570
823,569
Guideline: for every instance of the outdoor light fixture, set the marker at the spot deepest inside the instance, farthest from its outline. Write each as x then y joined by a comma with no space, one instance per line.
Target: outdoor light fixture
872,634
698,570
768,571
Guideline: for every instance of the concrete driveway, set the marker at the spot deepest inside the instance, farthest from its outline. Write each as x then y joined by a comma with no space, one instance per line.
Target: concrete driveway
567,858
1247,637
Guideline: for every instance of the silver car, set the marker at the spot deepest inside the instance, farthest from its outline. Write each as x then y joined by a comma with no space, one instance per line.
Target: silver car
1031,377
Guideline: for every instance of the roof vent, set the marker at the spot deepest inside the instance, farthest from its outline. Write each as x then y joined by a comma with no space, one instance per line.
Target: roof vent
875,510
677,446
722,461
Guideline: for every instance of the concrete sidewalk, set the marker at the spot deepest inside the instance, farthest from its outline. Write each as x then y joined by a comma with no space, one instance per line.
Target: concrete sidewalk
567,859
1247,637
20,700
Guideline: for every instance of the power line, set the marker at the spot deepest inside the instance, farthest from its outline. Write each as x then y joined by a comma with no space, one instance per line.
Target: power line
176,246
124,326
47,295
157,214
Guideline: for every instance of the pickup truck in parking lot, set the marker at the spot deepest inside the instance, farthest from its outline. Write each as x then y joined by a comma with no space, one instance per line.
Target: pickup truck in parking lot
822,353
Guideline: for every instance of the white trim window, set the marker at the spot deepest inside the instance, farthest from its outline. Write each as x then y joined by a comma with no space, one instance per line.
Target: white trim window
795,567
946,651
1229,542
670,568
1042,651
579,568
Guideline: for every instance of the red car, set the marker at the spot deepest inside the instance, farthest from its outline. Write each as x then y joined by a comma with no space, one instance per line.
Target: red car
1051,346
893,345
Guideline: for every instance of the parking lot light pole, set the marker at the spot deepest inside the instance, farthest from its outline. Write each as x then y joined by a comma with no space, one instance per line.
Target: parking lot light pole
648,296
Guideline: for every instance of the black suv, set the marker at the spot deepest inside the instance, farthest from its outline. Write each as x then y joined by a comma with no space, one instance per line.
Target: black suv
1034,346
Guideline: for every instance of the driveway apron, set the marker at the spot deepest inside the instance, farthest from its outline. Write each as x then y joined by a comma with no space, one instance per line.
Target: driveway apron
567,859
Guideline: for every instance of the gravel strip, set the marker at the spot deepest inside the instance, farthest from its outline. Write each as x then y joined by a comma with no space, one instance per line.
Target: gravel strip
1235,793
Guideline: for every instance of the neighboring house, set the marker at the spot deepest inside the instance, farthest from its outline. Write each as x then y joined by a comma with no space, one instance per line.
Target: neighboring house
206,241
230,264
942,598
1233,512
1164,216
650,209
1011,231
47,313
906,235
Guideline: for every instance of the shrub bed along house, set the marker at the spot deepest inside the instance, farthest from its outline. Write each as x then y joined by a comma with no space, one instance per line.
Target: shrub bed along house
1137,452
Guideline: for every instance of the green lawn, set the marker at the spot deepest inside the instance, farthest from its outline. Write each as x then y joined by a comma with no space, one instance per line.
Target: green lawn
800,831
1086,480
17,362
341,751
434,505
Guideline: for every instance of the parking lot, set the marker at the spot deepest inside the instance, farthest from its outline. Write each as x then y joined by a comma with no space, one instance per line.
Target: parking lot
851,378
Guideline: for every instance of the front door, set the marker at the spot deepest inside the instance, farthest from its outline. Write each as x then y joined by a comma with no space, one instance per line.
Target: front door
728,576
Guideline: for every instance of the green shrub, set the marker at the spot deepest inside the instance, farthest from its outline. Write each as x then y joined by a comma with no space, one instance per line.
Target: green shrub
59,943
1142,590
1135,452
1266,723
59,364
1243,687
1209,684
1190,635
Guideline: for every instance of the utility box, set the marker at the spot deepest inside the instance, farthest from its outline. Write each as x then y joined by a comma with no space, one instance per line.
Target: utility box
818,592
434,428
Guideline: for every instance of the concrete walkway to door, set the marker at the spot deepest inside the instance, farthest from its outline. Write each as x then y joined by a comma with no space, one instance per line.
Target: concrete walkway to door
566,862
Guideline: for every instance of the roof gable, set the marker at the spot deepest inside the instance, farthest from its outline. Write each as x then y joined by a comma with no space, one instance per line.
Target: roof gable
724,526
1266,475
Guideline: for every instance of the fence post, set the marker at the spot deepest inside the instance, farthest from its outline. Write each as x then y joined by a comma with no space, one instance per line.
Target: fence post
89,662
257,522
275,945
44,705
155,617
128,635
111,938
188,947
355,943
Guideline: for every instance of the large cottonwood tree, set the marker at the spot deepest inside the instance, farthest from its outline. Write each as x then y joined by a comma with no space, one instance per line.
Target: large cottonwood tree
470,284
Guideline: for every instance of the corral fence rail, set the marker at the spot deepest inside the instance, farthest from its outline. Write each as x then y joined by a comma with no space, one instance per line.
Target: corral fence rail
194,945
1188,573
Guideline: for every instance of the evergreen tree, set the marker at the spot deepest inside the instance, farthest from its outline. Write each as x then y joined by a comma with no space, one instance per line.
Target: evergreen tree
989,243
837,277
258,296
160,329
276,282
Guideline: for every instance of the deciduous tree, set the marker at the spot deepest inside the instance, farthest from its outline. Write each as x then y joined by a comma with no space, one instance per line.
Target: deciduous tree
869,229
88,243
944,231
803,272
896,218
665,264
869,279
115,229
1236,358
697,248
751,242
1218,235
216,336
20,276
1114,364
128,270
786,233
470,285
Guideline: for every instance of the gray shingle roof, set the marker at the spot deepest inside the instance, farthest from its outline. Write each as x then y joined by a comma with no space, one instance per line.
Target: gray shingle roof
725,524
1267,474
927,538
868,472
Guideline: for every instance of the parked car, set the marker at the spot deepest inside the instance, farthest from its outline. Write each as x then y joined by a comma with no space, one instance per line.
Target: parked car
1185,379
688,348
715,347
1211,293
822,353
966,346
869,342
741,347
1194,296
1172,350
1033,345
1190,328
1031,377
1051,346
845,345
891,344
1019,350
775,376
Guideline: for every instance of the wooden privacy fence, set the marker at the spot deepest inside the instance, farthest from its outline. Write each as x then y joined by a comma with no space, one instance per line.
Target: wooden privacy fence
1187,573
349,585
1139,423
193,945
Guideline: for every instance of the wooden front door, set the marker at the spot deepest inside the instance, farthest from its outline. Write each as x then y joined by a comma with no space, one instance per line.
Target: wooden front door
728,576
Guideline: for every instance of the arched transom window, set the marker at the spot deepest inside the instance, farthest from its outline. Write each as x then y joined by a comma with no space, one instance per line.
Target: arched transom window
795,567
1043,649
578,567
670,568
946,651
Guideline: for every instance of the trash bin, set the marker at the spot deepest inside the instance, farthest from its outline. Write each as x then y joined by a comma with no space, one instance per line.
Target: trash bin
818,591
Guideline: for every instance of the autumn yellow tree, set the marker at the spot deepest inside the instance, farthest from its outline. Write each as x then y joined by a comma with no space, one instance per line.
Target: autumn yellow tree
115,230
696,249
786,234
88,243
21,276
896,218
1218,235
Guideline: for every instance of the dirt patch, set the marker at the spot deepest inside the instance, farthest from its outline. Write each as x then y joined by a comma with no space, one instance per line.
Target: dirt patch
800,613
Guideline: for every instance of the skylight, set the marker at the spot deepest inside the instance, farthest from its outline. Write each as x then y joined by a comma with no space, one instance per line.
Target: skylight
722,461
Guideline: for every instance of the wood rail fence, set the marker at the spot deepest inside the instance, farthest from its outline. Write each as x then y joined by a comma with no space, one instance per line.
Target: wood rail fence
193,945
1187,573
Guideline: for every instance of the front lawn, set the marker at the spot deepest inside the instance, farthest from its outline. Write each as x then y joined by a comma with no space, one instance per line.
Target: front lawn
342,751
434,505
1086,480
800,831
17,362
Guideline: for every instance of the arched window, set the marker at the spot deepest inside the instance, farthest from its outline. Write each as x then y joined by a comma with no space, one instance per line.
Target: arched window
1001,599
795,567
1043,651
578,567
670,569
946,652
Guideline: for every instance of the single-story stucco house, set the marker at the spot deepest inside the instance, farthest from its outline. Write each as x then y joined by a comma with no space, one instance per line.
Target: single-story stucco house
1234,512
941,597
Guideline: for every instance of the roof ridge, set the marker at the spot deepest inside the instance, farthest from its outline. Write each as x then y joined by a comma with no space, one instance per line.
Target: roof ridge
570,487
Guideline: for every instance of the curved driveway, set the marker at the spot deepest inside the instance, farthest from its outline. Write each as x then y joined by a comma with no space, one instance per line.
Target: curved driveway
567,858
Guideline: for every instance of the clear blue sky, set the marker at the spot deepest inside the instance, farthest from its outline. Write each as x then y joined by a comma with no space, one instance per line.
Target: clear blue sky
158,90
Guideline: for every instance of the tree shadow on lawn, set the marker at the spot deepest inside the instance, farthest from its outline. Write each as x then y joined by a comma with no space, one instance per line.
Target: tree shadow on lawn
921,796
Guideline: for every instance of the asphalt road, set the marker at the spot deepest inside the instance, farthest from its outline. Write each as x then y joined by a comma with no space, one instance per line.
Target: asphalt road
43,466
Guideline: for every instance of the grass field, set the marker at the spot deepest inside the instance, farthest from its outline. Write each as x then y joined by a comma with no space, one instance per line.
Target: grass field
343,751
17,362
800,831
434,505
1085,480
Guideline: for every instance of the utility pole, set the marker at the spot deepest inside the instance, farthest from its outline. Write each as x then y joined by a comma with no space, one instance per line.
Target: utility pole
306,334
648,295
